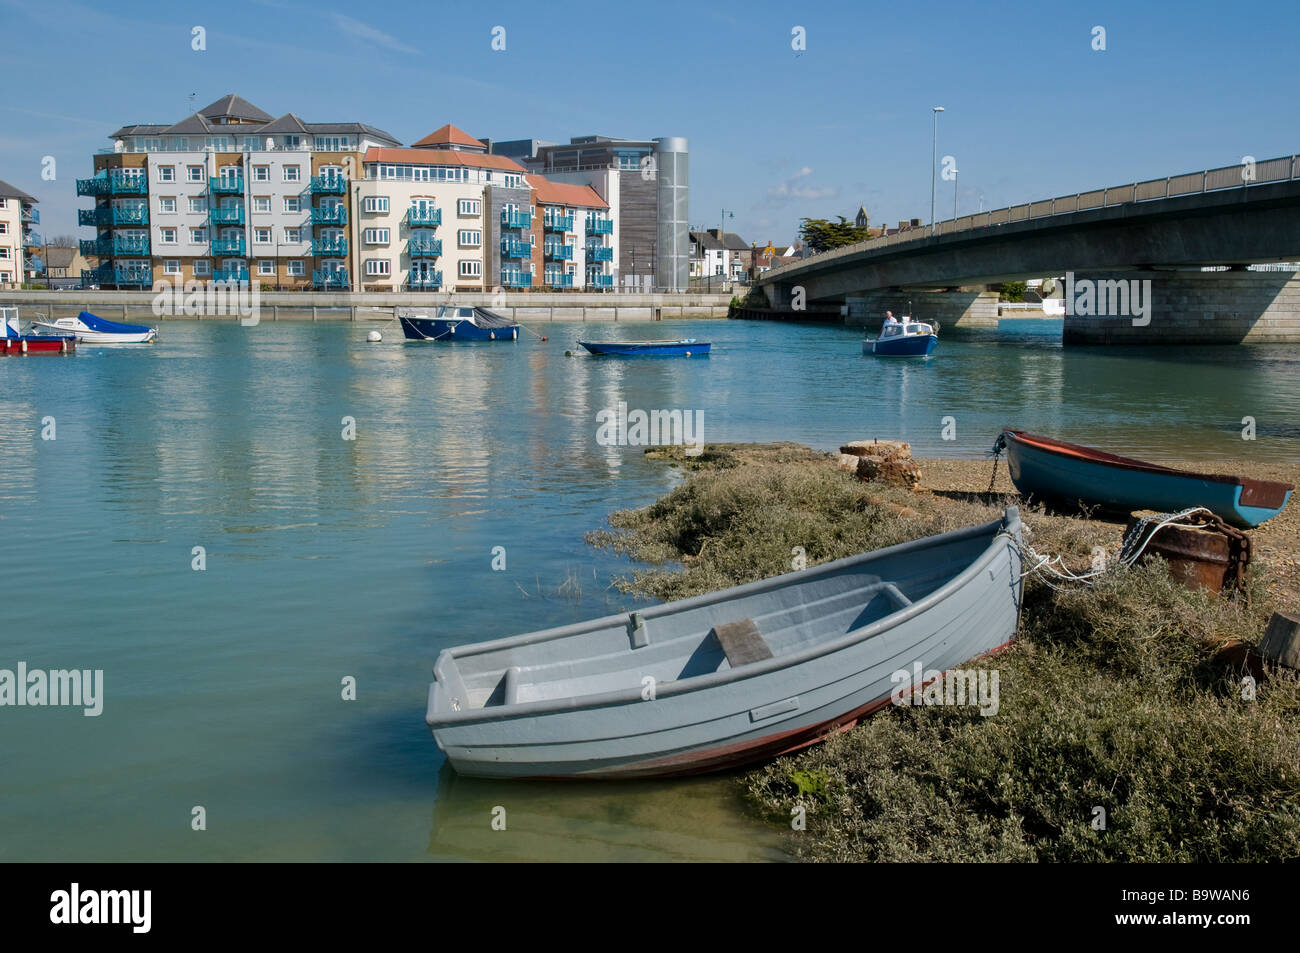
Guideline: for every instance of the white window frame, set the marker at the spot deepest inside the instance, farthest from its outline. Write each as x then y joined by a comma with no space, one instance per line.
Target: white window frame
201,267
261,173
470,268
162,205
198,236
190,171
469,207
166,173
292,236
167,236
474,241
262,204
376,236
378,268
292,204
171,266
266,266
295,268
261,236
376,204
295,169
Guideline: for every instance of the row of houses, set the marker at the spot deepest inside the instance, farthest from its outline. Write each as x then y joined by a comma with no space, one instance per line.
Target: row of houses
232,193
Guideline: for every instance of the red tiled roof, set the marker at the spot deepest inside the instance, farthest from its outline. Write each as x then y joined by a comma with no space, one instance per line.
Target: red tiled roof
442,157
449,134
558,193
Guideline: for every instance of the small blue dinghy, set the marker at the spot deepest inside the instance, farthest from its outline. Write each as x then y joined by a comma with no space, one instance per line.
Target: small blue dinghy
1068,473
687,347
730,677
906,338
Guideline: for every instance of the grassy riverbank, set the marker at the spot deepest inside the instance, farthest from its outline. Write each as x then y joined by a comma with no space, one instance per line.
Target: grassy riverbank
1110,698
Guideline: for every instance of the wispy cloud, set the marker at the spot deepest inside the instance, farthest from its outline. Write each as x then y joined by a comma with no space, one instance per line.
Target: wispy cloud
793,188
365,31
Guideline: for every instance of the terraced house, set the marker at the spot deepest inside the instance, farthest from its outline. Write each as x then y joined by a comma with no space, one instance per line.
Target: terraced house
227,193
19,243
231,193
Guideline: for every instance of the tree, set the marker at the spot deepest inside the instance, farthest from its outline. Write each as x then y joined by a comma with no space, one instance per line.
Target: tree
1013,291
63,241
822,235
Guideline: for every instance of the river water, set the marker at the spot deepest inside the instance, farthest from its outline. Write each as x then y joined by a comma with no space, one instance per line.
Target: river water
327,559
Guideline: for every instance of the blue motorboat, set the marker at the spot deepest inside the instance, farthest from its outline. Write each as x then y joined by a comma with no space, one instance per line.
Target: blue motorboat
1067,473
687,347
905,338
451,324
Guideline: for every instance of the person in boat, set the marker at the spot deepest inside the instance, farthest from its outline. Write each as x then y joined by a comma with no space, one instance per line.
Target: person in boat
889,318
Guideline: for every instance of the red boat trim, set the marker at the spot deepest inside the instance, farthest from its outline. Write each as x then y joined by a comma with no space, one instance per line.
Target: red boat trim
741,753
1262,493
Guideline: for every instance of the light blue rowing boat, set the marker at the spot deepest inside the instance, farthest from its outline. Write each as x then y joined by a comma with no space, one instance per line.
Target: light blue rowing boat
730,677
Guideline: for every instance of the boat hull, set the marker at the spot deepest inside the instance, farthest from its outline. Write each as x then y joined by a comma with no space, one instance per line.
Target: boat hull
38,344
648,348
451,330
91,329
916,345
1066,473
737,716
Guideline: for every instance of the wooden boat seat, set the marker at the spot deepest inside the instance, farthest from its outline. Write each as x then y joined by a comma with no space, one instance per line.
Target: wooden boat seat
742,642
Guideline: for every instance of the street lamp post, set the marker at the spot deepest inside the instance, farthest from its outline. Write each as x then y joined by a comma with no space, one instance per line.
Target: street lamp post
954,195
934,165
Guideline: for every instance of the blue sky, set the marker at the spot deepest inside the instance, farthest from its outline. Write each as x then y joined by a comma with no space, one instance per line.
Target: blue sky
1031,110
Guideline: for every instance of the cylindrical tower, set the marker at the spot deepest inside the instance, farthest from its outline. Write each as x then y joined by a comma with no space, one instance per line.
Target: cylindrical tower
673,252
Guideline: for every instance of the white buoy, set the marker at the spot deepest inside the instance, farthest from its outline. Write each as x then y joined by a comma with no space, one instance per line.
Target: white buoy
374,337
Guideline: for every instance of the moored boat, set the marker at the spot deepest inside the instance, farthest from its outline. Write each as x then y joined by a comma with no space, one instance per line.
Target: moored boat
905,338
729,677
456,324
686,347
13,341
92,329
1060,472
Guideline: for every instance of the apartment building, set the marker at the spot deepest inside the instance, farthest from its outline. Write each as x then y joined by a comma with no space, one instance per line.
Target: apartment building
645,183
229,192
19,243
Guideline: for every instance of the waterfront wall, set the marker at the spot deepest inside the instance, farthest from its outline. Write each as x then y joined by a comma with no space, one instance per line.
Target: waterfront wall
1197,307
360,306
952,309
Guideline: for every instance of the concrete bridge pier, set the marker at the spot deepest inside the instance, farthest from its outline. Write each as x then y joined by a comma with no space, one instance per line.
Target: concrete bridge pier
952,307
1183,307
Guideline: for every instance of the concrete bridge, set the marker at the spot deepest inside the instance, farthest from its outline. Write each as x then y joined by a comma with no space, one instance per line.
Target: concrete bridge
1164,231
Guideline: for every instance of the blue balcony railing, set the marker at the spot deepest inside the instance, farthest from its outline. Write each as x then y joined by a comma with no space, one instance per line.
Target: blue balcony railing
328,185
230,274
516,279
35,265
329,246
600,253
600,281
424,247
104,216
32,240
423,217
513,218
112,246
513,248
329,215
228,246
120,276
226,216
430,281
330,278
558,223
558,252
226,185
32,216
108,183
599,226
556,280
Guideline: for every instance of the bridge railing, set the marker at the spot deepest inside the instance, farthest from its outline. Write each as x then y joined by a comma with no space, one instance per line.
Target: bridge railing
1282,169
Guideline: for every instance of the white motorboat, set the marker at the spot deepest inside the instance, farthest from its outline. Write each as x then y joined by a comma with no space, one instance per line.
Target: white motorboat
91,329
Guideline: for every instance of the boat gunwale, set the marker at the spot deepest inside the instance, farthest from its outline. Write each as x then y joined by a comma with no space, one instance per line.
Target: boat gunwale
1005,526
679,343
1076,451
